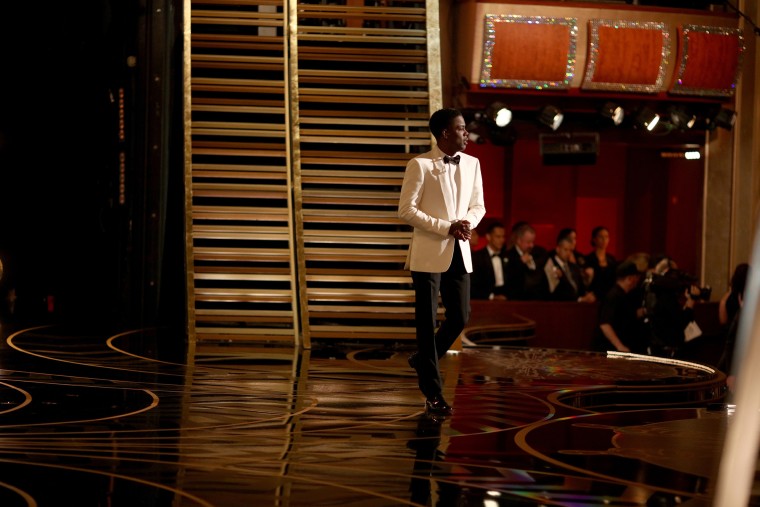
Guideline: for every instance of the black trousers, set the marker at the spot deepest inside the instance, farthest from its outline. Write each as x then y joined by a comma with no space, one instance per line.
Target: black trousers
454,288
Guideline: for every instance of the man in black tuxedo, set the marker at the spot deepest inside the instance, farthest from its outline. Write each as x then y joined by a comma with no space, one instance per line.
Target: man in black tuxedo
525,260
489,265
563,278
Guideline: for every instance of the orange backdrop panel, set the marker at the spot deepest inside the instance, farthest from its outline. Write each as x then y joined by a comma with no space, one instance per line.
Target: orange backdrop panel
712,61
628,56
530,52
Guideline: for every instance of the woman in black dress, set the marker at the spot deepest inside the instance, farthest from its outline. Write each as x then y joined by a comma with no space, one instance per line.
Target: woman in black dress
601,263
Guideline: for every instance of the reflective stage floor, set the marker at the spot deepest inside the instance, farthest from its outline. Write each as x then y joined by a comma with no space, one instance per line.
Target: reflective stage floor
90,419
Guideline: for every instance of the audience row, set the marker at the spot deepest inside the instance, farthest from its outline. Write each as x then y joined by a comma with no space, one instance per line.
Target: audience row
522,270
645,303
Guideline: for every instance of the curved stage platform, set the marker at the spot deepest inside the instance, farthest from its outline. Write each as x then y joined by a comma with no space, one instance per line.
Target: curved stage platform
93,419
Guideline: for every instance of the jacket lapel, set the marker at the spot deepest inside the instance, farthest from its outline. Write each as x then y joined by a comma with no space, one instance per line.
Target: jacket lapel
443,181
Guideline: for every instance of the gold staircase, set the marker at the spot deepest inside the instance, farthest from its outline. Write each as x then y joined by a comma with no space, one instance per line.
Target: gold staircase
300,118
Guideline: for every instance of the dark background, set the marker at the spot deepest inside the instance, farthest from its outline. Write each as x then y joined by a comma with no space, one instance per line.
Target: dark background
70,248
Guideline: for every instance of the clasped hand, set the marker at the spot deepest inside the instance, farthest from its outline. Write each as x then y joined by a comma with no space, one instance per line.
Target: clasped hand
460,229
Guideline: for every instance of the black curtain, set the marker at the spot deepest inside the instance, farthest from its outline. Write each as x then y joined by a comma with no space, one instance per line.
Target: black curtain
90,189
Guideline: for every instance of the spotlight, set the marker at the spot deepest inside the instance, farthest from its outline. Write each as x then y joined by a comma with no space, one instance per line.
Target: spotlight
647,119
551,116
725,118
614,112
499,114
688,154
681,119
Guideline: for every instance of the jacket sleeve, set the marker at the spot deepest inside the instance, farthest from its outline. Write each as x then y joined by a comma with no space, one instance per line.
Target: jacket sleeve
477,208
409,202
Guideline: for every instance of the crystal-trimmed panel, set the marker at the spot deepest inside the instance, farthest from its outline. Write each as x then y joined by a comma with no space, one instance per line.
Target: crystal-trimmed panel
528,52
709,61
627,56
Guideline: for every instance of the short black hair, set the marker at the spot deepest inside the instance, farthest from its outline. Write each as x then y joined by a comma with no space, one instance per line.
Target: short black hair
441,119
493,226
626,268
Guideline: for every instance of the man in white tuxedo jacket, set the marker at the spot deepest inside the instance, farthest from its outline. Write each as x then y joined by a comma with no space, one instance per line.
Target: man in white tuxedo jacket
442,198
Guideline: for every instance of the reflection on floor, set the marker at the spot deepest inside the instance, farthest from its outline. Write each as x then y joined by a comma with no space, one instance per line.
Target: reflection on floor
96,420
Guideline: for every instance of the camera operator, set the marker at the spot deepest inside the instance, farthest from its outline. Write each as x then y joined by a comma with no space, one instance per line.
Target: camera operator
668,302
617,325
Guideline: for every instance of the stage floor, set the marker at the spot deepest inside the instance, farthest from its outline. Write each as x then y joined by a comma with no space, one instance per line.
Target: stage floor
91,419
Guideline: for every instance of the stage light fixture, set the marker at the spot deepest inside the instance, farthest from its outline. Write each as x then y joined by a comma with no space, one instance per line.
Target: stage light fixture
551,117
647,119
725,118
499,114
614,112
687,154
682,119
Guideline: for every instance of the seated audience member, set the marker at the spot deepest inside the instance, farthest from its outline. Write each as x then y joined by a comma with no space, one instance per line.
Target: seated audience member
618,328
513,233
577,258
488,266
524,276
570,235
564,281
641,260
601,263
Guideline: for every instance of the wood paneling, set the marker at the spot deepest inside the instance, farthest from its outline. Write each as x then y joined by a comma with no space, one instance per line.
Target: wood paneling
530,52
629,55
626,55
473,32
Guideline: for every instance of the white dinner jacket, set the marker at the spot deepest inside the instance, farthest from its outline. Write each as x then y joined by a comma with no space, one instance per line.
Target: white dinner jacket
426,204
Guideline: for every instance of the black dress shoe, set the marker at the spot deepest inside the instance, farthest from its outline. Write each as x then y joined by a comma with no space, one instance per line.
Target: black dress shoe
438,406
412,360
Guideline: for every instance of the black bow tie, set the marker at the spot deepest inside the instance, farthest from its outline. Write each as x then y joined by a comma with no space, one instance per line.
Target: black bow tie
454,159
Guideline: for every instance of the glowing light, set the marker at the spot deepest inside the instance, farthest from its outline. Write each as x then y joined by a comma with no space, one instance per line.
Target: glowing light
653,122
503,117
